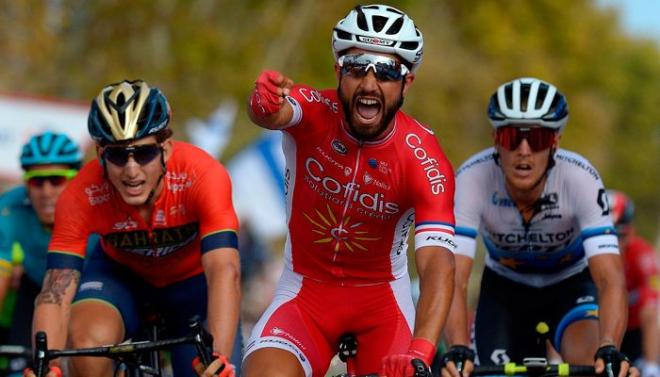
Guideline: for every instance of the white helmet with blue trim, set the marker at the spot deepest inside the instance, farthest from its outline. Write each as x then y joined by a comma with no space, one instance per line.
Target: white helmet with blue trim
528,101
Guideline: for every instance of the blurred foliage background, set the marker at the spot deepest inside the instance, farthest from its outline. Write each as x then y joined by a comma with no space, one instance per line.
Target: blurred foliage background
200,52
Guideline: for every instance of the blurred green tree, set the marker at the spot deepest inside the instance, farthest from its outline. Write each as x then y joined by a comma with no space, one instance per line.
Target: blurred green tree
201,51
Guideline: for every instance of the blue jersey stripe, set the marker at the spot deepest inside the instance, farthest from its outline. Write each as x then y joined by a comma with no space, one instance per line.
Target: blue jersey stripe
220,239
434,223
56,259
467,232
593,232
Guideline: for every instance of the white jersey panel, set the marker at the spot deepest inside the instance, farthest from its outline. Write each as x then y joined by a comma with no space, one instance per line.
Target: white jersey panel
289,148
571,221
400,244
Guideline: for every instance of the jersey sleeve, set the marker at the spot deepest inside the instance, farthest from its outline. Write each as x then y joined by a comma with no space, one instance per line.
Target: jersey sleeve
432,179
590,202
73,219
471,179
309,104
213,202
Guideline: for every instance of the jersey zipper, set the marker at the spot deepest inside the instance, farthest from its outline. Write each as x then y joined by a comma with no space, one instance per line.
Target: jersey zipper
349,195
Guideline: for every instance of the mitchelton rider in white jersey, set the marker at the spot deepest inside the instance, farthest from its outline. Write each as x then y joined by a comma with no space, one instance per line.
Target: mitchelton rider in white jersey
571,222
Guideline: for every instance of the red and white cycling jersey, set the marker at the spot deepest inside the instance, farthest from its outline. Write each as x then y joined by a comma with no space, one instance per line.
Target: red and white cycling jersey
192,215
356,201
345,255
642,278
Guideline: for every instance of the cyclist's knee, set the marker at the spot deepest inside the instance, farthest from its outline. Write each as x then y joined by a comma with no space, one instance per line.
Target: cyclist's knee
579,342
272,362
93,324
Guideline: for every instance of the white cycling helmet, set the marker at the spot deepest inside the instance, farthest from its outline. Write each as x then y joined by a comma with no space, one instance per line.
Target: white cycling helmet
379,28
528,101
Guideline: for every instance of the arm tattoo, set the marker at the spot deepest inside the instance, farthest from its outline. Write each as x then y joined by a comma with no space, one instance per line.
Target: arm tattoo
56,283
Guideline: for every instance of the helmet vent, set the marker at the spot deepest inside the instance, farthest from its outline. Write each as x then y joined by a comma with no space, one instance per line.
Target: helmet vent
379,23
121,100
409,45
396,26
540,97
524,97
343,35
362,21
508,95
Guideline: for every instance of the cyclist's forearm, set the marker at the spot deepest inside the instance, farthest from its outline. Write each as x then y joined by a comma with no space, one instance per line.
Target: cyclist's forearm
607,273
275,120
436,277
456,331
53,305
224,295
613,313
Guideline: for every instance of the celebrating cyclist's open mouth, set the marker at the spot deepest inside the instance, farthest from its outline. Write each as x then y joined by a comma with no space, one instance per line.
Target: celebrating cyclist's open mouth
368,109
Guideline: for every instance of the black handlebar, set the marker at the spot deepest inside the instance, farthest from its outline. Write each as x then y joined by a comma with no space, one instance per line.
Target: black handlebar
200,338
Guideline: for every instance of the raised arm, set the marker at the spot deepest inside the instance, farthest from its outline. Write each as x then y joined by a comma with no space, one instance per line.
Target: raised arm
267,106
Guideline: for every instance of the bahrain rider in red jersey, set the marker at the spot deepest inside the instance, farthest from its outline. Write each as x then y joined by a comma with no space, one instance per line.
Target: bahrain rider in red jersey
359,175
641,341
168,233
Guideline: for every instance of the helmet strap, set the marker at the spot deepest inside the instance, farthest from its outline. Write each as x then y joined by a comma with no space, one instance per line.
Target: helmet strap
152,193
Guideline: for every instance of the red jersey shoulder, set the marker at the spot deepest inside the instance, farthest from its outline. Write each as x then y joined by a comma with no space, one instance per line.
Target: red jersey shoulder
424,154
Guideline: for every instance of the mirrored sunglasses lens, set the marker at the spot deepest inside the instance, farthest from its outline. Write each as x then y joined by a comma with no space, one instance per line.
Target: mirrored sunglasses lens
537,138
358,65
540,138
506,137
385,72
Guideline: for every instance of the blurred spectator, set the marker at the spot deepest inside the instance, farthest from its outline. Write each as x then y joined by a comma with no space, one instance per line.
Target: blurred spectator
642,339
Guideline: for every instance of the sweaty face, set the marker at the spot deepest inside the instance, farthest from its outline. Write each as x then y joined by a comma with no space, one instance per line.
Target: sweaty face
44,190
523,167
369,103
140,174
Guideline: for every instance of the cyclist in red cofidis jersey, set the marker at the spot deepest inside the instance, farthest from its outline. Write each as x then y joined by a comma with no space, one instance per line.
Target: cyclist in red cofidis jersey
168,232
641,341
360,175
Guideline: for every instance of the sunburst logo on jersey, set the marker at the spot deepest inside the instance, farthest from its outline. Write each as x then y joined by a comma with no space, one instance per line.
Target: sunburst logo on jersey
344,234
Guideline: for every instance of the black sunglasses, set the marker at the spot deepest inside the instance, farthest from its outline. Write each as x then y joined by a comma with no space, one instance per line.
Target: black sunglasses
54,180
142,154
